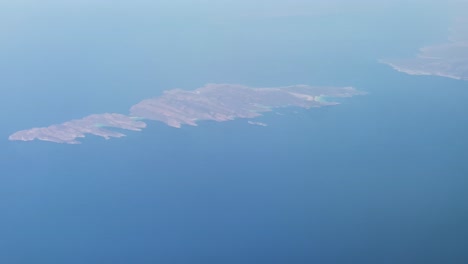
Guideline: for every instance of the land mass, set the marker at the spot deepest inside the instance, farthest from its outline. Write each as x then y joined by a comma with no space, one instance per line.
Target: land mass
449,59
254,123
216,102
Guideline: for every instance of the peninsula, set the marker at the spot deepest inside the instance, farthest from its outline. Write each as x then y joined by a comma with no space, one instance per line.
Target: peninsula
216,102
449,59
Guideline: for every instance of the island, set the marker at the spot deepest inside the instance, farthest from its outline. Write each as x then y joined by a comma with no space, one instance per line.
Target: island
256,123
449,59
215,102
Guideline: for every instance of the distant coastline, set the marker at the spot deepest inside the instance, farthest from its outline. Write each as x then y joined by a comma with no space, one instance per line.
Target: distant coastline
400,67
449,59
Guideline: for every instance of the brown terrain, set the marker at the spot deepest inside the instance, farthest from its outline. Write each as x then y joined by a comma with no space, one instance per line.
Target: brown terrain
69,131
217,102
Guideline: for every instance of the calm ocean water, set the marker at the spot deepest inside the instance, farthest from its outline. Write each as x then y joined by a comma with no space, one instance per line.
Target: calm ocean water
380,178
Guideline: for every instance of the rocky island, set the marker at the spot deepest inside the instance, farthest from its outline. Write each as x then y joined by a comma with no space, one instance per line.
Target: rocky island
69,131
217,102
449,59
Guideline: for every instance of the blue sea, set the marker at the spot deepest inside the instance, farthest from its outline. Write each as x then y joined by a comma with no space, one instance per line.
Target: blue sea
380,178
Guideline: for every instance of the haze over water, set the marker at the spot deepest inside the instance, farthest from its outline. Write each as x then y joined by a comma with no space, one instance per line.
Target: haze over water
378,179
